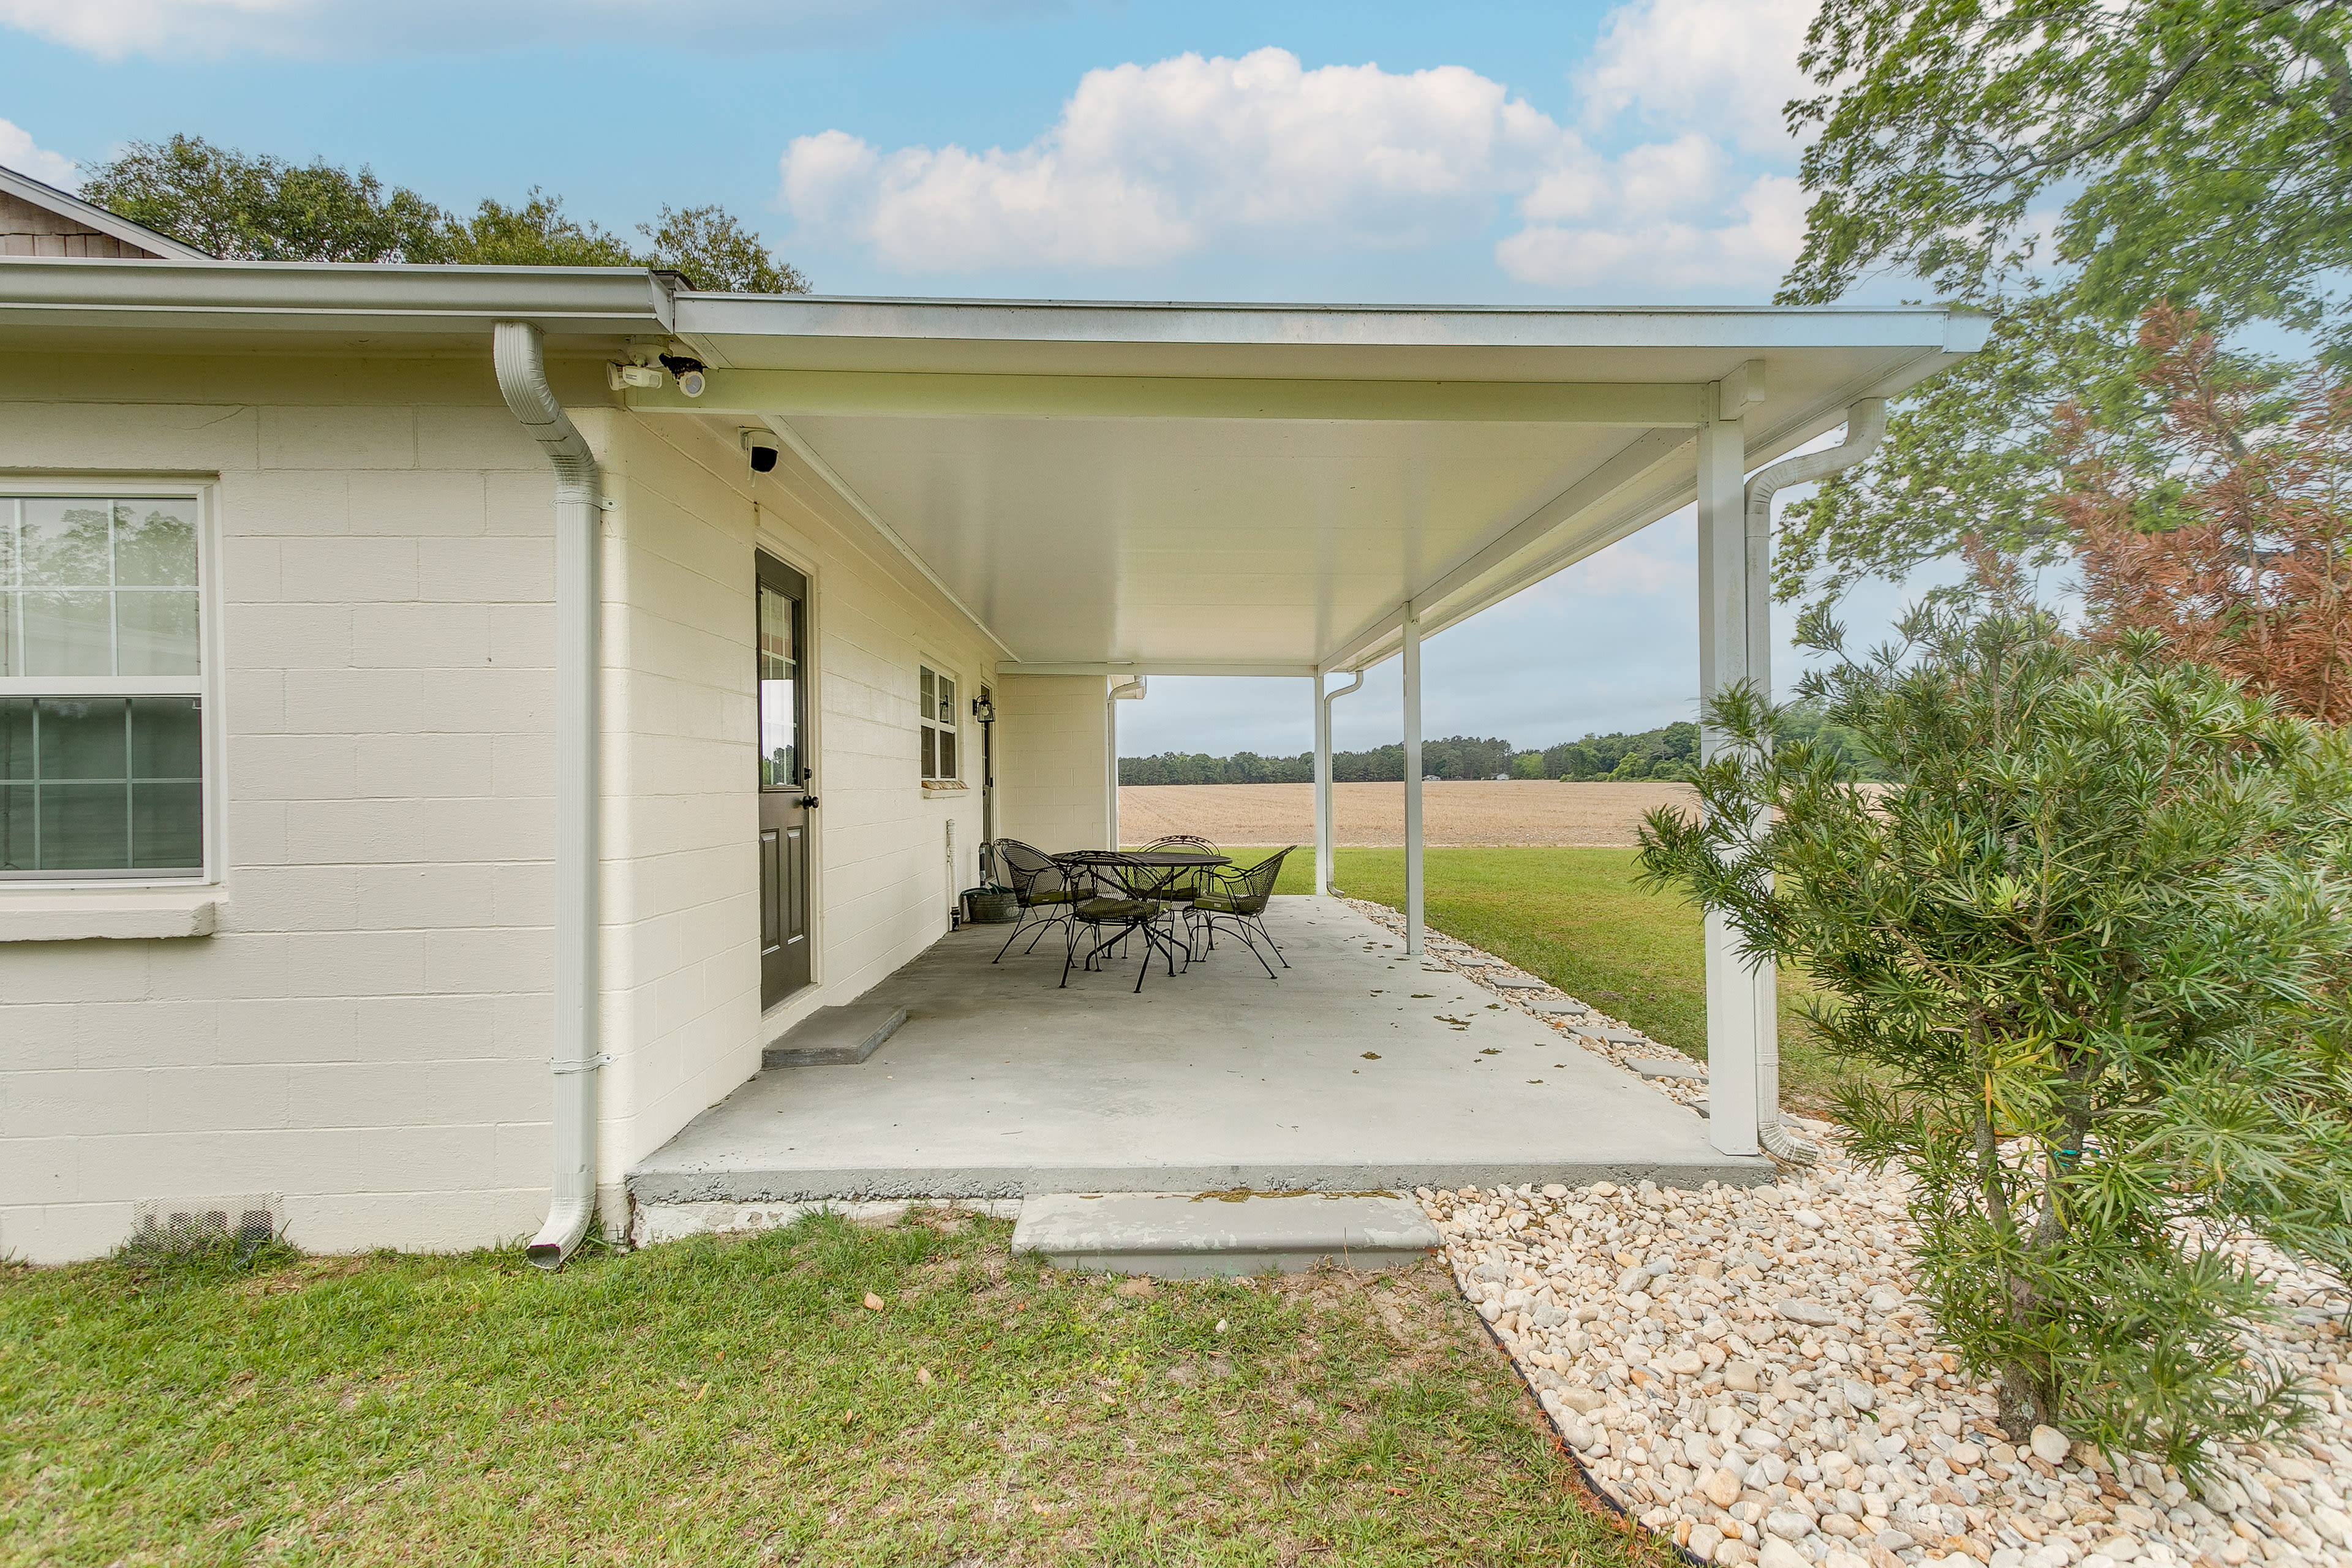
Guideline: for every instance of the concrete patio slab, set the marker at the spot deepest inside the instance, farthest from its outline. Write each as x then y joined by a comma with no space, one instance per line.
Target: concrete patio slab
1359,1069
1193,1236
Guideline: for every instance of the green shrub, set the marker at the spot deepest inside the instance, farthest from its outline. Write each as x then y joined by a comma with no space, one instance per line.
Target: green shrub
2094,938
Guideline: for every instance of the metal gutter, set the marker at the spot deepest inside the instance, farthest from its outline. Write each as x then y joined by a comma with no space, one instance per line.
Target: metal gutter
310,296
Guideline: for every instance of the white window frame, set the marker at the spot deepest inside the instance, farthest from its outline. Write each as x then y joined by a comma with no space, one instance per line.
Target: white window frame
925,664
204,686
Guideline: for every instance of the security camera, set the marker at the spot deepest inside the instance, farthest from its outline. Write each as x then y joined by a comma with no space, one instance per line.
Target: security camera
763,446
621,376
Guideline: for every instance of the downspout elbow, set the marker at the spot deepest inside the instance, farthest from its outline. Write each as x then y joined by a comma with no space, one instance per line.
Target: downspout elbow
1354,686
1865,427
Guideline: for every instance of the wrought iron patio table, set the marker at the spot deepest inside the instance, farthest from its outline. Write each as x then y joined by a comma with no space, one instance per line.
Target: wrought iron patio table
1170,865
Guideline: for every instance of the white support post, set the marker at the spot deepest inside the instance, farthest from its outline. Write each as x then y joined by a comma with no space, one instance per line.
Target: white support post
1736,1022
1322,788
1412,778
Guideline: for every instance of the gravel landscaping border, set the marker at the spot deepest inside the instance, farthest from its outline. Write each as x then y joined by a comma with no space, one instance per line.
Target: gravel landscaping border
1744,1371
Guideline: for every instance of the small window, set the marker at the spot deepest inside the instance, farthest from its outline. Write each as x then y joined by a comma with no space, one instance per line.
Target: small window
102,702
936,700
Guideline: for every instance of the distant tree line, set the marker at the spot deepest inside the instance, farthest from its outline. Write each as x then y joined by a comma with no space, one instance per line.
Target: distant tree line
1669,751
1455,757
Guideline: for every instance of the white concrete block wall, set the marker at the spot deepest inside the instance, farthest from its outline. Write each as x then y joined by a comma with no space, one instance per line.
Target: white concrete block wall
366,1034
1052,782
681,959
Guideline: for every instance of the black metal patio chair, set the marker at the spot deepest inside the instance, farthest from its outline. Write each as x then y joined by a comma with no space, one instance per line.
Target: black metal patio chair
1186,885
1239,899
1040,886
1113,903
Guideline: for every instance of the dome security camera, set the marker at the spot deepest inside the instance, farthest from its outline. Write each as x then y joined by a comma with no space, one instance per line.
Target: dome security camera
762,445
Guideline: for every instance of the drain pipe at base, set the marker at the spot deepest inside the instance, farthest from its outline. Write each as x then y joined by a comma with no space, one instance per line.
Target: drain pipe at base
1325,837
1132,692
520,362
1865,425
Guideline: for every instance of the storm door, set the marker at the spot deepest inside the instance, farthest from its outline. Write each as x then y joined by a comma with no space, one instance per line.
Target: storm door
786,778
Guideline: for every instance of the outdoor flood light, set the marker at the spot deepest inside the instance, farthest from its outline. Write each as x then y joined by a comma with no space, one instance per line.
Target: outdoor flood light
688,370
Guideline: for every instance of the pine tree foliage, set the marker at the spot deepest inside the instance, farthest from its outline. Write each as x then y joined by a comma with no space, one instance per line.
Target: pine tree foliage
2095,942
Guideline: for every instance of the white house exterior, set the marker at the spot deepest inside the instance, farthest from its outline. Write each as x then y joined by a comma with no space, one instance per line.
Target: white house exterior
307,950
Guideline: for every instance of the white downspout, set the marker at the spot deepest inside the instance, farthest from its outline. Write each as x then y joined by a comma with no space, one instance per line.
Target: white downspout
522,378
1410,648
1132,692
1326,832
1865,425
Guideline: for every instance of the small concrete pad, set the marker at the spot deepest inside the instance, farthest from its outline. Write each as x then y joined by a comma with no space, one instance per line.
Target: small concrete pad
834,1037
1659,1066
1518,983
1193,1236
1616,1036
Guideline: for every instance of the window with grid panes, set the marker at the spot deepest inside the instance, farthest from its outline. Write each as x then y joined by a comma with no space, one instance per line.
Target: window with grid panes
102,703
936,700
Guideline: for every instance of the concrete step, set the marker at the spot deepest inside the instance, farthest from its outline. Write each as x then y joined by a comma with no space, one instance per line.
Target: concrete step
1191,1236
833,1036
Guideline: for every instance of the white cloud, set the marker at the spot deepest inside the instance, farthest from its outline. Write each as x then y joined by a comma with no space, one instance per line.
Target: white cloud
1745,244
1721,67
112,29
20,153
1150,163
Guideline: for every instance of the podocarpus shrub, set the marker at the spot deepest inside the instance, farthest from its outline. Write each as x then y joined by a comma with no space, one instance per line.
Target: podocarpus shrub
2094,941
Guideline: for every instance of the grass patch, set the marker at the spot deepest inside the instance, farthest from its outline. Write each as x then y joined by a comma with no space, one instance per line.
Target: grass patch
735,1402
1575,918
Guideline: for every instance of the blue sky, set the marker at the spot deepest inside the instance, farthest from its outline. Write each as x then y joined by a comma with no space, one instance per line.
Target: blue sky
1566,153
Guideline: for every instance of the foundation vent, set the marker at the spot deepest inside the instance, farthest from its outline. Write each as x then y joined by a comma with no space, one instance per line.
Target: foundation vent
247,1219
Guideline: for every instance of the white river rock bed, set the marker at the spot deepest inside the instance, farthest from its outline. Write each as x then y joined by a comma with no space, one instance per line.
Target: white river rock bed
1746,1372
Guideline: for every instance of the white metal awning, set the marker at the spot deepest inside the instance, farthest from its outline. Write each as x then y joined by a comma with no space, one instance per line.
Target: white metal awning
1262,488
1118,489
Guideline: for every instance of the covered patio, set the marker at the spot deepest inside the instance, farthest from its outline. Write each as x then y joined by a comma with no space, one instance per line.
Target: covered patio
1114,492
1363,1068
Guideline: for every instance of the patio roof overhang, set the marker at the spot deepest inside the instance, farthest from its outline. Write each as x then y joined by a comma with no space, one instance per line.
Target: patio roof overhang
1260,489
1126,489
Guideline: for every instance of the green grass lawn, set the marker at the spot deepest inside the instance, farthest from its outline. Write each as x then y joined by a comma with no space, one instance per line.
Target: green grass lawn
735,1402
1574,917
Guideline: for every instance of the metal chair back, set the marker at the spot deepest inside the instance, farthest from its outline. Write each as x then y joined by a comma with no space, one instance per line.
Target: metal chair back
1033,872
1250,890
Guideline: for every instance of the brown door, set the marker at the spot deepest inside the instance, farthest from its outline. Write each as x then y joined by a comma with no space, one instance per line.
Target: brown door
785,775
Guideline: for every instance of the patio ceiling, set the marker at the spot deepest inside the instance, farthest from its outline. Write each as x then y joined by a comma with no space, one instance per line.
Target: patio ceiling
1174,489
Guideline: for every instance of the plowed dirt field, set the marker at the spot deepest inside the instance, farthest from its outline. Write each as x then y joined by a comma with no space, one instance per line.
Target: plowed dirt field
1520,811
